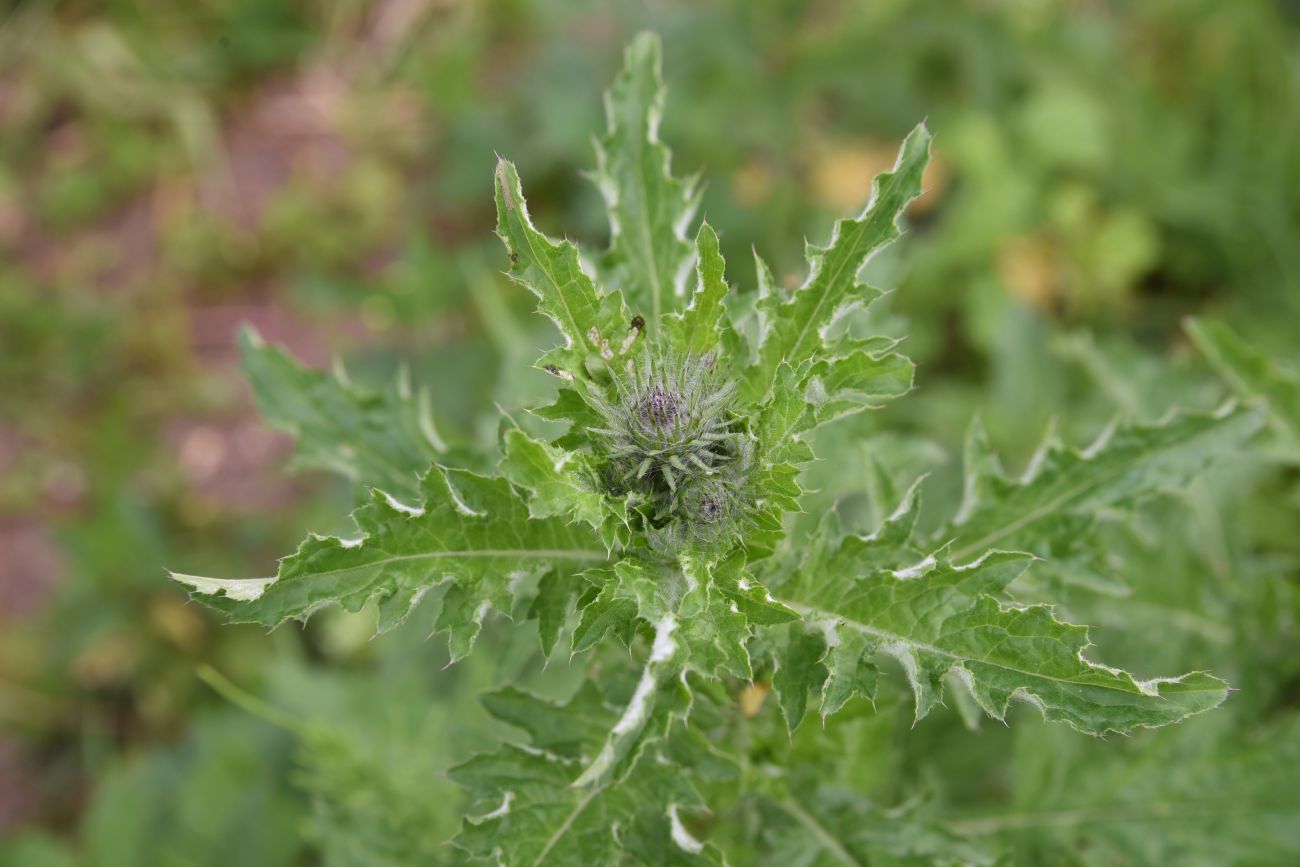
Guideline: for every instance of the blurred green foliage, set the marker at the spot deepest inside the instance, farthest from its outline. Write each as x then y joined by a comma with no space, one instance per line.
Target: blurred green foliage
322,169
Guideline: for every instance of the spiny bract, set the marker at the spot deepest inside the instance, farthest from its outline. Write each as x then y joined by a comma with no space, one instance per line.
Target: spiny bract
668,433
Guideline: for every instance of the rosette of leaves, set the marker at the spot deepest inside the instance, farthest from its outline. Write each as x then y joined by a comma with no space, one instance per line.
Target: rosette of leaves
658,519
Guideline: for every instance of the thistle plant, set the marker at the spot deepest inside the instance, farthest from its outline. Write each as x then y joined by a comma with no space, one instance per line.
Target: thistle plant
661,519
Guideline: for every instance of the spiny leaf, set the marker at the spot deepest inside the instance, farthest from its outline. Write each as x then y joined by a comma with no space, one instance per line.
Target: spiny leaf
935,616
1214,793
1251,373
734,582
850,673
862,379
560,484
698,627
649,210
572,407
851,830
798,668
471,535
780,454
556,594
1057,497
782,419
526,813
768,300
698,329
385,439
607,607
793,328
660,698
596,328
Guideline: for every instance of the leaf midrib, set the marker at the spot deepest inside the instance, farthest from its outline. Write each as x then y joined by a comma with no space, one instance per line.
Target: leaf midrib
565,825
824,837
1093,481
540,553
647,240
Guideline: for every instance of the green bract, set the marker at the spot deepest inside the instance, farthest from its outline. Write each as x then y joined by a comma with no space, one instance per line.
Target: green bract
661,518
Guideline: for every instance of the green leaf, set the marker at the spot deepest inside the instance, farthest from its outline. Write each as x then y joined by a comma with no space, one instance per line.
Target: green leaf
373,760
1215,793
560,484
471,535
850,830
935,616
850,674
386,439
660,698
1251,373
596,328
781,453
526,813
798,668
698,329
1051,505
572,408
556,593
187,803
793,326
649,210
862,379
610,608
697,628
734,582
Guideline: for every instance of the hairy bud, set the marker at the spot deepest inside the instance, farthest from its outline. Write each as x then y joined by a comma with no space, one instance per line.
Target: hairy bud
669,435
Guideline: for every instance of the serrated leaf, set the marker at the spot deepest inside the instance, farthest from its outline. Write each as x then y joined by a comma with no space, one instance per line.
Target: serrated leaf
526,813
798,669
385,439
559,484
607,608
1251,373
793,327
782,418
781,452
734,582
840,386
697,330
571,407
850,673
595,328
661,697
556,593
935,616
696,628
471,533
1213,793
564,730
649,210
851,830
1055,500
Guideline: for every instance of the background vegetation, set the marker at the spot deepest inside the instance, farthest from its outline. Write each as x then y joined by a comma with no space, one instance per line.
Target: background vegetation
322,169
